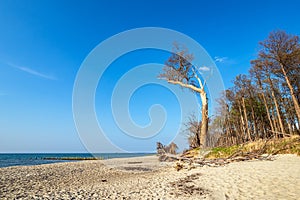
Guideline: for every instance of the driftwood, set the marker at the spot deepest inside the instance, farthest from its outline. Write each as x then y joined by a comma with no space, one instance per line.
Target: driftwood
189,161
217,162
168,158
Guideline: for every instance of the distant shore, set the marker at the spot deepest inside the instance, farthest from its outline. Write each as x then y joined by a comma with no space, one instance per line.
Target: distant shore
146,177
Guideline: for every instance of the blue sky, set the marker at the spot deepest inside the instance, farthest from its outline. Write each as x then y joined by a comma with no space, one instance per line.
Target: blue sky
43,43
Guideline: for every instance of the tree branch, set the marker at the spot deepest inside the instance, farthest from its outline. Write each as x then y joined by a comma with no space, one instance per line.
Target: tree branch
198,79
200,90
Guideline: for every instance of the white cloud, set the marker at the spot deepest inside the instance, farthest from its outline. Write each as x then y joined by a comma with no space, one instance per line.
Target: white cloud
204,68
220,59
32,72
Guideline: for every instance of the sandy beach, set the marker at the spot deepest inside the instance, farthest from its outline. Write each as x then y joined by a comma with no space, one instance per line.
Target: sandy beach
146,178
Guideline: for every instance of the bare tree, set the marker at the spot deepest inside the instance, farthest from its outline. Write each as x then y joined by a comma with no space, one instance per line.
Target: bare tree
283,52
178,70
193,129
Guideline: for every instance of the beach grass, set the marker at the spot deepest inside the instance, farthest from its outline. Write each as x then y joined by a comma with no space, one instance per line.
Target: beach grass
288,145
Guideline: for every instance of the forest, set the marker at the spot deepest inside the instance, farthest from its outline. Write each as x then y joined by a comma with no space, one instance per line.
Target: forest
265,102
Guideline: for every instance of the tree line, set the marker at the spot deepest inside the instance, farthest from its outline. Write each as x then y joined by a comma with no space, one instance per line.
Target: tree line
265,102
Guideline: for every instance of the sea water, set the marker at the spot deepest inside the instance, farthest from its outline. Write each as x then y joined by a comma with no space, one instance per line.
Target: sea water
24,159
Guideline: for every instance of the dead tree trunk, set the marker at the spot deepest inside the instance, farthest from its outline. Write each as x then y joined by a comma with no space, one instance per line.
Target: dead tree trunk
204,123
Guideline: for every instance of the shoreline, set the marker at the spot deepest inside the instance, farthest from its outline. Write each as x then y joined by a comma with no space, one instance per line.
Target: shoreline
145,177
32,159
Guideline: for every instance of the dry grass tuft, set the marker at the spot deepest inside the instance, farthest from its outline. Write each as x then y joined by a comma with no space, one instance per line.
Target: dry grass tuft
288,145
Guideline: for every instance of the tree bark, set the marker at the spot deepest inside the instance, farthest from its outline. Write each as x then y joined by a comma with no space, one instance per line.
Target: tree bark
242,118
204,122
277,107
254,121
296,104
246,119
275,123
267,110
